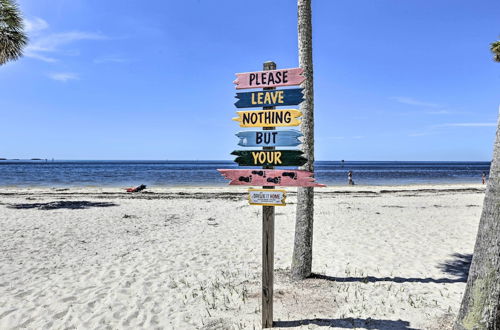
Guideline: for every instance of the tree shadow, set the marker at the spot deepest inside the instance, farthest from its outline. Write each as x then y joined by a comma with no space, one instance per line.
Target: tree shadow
373,279
458,266
73,205
347,323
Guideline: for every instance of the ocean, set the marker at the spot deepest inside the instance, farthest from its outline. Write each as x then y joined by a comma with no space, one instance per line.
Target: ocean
203,173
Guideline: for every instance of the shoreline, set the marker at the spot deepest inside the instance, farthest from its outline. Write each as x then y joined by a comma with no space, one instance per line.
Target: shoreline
227,186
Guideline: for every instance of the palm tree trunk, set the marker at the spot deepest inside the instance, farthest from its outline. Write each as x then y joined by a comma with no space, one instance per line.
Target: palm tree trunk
480,307
302,250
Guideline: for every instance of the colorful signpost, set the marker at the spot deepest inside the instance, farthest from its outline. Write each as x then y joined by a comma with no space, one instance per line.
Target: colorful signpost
267,118
284,138
269,157
268,138
266,197
281,97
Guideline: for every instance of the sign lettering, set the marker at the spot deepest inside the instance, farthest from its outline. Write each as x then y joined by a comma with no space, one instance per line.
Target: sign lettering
269,157
282,138
271,78
268,118
280,97
266,197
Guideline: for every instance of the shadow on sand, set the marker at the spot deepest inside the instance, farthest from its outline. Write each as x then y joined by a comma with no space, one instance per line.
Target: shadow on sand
458,267
373,279
347,323
73,205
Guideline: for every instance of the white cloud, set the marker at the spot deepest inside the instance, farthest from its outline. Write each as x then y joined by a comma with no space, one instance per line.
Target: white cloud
45,47
467,125
439,112
412,101
38,56
421,134
52,42
64,76
111,59
35,25
333,138
438,129
357,137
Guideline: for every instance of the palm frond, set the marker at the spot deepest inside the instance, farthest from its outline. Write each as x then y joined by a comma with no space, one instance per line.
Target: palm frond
495,49
12,36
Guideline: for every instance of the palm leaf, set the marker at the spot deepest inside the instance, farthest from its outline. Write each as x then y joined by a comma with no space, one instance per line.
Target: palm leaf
495,49
12,35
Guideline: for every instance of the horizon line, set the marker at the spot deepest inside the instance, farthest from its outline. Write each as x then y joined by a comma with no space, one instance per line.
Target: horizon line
219,160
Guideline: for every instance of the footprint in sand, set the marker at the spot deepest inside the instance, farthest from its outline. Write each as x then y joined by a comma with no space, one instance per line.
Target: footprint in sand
154,320
71,298
156,309
134,315
60,315
4,314
23,294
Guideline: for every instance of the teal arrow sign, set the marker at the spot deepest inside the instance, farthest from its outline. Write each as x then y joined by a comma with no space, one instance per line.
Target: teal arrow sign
274,138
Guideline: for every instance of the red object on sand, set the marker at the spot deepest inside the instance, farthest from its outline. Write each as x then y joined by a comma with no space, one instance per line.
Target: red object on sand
136,189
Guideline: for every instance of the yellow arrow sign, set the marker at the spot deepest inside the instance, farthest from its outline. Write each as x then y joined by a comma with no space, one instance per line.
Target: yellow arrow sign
268,118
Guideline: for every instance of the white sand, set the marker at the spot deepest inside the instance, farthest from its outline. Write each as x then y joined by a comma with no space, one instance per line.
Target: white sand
193,260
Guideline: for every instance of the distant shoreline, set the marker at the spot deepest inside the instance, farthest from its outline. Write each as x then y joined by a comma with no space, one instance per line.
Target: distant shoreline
204,173
226,161
197,188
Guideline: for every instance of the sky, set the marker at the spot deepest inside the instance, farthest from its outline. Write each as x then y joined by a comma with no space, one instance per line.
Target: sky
152,80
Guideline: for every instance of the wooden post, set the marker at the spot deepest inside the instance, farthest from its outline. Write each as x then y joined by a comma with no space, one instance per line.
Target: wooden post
268,241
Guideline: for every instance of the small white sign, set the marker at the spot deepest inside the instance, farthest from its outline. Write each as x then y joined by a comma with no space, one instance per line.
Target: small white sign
270,197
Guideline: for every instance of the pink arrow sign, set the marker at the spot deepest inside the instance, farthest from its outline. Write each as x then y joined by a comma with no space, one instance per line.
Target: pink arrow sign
258,177
271,78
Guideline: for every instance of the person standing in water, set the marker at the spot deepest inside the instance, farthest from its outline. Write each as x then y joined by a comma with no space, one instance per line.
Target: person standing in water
349,177
484,177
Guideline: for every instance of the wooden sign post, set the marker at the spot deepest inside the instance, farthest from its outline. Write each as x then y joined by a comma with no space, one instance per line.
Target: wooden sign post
268,138
268,239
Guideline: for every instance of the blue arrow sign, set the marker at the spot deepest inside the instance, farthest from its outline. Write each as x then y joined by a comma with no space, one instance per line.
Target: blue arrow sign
272,98
284,138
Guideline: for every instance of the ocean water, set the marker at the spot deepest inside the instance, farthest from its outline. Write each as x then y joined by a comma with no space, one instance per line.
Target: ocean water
203,173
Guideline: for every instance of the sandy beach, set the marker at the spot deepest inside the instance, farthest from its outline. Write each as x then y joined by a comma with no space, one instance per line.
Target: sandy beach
190,258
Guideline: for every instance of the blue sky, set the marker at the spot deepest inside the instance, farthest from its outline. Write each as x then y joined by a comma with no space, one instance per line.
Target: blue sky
394,80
